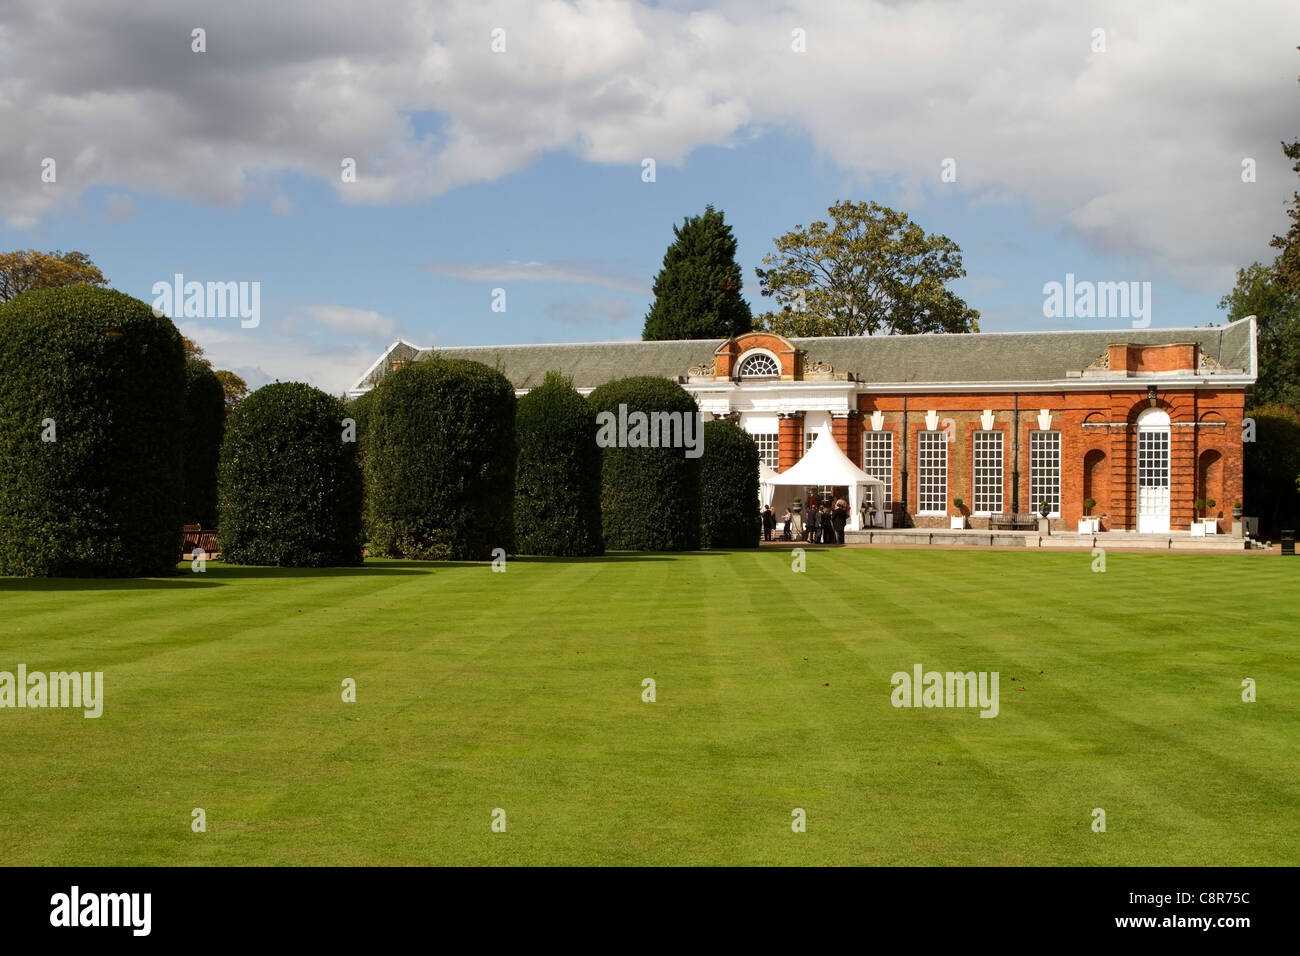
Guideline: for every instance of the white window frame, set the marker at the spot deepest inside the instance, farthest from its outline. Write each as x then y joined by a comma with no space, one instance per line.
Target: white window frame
878,461
1052,479
753,354
768,442
931,472
987,472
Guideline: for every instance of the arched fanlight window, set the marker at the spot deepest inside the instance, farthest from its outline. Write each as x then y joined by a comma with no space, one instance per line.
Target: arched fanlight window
759,365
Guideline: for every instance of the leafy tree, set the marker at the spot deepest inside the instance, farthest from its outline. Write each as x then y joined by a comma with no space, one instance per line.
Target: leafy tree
697,292
233,387
25,270
1287,267
728,487
1277,315
870,271
557,482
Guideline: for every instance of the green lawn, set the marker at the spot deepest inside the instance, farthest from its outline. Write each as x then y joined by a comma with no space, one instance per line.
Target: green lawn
478,690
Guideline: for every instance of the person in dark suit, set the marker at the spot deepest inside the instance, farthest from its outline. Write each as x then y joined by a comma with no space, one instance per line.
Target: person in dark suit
815,521
769,522
838,520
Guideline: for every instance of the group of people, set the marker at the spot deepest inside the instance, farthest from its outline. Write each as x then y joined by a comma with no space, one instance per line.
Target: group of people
823,524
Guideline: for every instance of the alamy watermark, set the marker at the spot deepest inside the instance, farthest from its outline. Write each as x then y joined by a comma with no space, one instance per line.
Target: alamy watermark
213,300
1098,300
951,689
78,689
655,430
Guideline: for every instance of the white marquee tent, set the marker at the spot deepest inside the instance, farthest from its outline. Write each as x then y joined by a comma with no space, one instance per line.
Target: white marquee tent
825,465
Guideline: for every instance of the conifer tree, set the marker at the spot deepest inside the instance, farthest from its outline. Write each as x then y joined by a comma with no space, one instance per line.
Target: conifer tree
697,292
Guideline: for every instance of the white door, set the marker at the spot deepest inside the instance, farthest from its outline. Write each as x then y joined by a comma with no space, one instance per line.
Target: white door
1153,472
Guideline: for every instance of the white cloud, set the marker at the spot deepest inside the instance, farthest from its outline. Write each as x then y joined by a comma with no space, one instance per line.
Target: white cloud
1137,150
363,323
603,311
323,345
572,271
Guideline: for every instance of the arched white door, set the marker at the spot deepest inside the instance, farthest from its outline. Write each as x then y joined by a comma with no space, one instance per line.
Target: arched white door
1153,472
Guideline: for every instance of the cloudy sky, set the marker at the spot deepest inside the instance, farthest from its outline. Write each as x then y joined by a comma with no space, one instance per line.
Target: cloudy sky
521,167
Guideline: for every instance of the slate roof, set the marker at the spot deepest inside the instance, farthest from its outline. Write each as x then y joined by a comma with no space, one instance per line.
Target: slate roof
977,358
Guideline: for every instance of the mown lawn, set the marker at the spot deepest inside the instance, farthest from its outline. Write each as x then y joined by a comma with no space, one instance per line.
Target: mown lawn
523,691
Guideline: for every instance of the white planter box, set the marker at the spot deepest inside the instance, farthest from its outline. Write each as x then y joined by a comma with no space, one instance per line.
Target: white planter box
1211,526
958,524
1088,525
1198,528
889,519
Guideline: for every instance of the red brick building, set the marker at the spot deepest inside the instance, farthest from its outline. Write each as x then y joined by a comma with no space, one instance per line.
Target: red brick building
1143,421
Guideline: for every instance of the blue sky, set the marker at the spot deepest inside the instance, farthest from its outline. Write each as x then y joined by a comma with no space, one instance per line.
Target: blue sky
540,192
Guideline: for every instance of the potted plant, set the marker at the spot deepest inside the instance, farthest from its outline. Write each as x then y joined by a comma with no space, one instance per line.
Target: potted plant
1088,524
1211,522
1044,525
959,522
1236,510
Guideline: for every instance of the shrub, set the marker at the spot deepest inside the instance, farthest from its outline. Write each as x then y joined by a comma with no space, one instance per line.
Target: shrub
205,420
289,488
649,496
104,497
728,488
440,462
1271,468
557,482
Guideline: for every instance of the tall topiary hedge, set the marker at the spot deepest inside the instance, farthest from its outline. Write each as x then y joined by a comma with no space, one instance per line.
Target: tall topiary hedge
92,412
649,495
205,421
440,462
728,487
289,487
557,482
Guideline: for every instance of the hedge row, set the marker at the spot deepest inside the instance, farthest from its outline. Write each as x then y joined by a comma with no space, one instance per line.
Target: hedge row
109,439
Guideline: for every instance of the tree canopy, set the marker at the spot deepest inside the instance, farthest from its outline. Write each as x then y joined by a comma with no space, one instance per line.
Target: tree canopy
1277,320
1286,269
697,292
25,270
869,271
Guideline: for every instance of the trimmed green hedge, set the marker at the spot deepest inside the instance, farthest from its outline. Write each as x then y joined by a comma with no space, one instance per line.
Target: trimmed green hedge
289,488
205,423
103,498
728,488
649,496
1271,469
557,483
440,462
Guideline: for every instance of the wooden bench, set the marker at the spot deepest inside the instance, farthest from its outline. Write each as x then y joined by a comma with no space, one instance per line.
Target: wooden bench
194,536
1013,522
